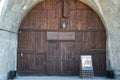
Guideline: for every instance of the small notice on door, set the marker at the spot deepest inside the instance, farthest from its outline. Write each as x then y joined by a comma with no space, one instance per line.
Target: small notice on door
60,35
86,61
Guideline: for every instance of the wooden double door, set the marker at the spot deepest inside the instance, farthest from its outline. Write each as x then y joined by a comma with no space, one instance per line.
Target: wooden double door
39,56
61,59
47,57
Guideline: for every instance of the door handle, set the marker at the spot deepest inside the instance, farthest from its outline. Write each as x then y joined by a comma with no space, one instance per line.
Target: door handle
21,54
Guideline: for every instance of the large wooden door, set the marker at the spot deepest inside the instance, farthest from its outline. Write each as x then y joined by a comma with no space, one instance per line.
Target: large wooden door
40,56
32,53
61,59
54,58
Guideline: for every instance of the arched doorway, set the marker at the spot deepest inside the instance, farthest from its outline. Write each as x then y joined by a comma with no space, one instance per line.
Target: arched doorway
45,47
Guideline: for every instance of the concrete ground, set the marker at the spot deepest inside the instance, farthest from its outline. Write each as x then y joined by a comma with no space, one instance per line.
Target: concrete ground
58,78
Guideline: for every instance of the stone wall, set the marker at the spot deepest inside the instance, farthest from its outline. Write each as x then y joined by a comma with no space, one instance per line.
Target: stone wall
14,11
8,45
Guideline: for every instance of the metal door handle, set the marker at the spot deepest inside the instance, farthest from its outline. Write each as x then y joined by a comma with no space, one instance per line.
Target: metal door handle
21,54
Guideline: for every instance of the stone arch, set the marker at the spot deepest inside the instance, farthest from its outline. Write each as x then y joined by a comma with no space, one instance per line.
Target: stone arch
24,8
14,11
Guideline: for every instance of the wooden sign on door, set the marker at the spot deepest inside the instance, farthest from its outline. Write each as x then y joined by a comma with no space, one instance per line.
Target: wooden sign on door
60,35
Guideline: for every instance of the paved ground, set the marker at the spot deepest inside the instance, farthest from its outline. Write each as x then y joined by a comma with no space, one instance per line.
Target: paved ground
57,78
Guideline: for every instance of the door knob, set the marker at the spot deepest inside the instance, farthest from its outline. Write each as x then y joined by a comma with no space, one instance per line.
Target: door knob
21,54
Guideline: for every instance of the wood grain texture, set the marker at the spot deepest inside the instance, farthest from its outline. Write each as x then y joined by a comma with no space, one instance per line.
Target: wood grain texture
37,55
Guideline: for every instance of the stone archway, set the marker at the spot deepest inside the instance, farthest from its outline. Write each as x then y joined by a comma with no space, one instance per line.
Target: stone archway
14,11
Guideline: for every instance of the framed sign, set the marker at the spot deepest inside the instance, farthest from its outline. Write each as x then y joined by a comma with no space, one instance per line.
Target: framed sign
60,35
86,62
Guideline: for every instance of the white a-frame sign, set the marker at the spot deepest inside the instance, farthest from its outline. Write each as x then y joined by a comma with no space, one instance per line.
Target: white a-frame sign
87,67
86,62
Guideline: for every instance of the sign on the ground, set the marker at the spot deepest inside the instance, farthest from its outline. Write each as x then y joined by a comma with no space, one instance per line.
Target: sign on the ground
86,67
86,61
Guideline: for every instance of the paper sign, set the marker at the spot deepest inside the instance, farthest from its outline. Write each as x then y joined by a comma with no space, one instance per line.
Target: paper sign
86,61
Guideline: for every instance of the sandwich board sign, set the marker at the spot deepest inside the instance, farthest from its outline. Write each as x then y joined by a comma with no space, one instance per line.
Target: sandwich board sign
86,61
